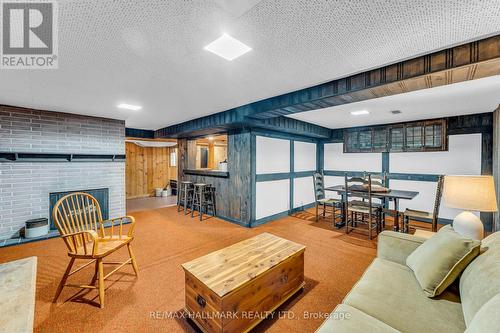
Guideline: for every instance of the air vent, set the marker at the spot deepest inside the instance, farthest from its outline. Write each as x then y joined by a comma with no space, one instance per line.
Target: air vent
396,111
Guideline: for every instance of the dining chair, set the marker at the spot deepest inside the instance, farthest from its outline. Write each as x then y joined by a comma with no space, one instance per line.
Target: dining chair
79,220
417,215
378,183
323,203
362,212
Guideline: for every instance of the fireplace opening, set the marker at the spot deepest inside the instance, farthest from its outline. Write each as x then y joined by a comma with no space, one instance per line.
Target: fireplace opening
101,194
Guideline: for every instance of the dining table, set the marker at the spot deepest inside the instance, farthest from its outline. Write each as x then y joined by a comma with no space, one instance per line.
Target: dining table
393,195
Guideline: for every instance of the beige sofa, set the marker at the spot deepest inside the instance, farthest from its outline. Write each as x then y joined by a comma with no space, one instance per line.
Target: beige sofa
388,298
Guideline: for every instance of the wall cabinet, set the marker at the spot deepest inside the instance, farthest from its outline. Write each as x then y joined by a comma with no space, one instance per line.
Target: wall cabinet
415,136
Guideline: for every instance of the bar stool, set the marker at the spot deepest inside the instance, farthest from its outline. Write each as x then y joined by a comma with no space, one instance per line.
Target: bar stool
185,196
210,200
199,199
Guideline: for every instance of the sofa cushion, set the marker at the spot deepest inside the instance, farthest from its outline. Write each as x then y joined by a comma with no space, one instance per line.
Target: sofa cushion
486,319
397,246
346,319
389,292
440,260
480,281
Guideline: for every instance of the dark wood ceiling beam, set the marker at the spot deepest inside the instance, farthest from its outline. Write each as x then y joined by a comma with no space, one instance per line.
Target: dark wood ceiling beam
236,119
461,63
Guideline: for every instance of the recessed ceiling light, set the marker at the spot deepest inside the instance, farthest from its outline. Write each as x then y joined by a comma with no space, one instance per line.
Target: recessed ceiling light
227,47
211,138
129,107
359,113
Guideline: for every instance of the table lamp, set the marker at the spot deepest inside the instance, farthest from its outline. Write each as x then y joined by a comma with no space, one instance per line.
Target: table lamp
470,193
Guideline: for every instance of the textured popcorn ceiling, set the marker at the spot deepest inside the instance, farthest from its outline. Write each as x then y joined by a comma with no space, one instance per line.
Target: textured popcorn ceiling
151,52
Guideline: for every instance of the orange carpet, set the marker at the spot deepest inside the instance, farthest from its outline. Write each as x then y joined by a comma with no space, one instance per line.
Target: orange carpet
164,239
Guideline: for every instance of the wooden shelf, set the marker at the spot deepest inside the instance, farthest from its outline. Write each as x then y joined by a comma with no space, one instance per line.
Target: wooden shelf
207,173
59,157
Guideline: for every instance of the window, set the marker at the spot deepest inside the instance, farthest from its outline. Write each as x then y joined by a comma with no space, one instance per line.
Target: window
416,136
351,139
365,140
397,138
173,158
379,139
434,135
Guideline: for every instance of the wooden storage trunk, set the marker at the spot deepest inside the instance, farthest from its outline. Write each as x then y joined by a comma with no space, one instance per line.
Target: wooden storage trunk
233,289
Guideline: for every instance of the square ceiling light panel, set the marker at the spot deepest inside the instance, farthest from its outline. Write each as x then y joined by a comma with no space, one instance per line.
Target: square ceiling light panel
228,47
360,113
129,107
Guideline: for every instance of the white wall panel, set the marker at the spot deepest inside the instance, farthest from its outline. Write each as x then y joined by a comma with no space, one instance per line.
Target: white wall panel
304,156
424,200
462,158
303,191
272,155
332,181
336,159
272,197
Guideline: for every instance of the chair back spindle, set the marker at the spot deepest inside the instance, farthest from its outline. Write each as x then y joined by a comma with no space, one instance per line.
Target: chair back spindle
359,187
74,213
319,185
79,220
437,202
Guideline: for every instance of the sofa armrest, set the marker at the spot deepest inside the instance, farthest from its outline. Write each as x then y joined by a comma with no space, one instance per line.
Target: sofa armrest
396,246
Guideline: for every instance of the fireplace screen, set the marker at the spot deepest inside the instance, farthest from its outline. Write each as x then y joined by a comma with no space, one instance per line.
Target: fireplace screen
101,194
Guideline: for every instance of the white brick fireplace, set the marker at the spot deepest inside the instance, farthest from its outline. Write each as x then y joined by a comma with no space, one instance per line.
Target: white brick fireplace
25,186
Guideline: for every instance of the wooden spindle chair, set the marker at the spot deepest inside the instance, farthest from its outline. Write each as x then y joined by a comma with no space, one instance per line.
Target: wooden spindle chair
423,216
378,180
322,202
362,212
79,221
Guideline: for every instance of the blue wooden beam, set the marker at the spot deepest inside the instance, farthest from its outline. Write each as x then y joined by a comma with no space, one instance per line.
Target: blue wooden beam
237,119
139,133
369,84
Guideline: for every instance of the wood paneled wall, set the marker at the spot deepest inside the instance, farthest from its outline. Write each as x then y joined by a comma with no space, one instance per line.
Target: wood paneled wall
146,169
233,194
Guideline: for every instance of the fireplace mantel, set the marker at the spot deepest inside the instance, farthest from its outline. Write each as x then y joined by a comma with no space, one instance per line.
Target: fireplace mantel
58,157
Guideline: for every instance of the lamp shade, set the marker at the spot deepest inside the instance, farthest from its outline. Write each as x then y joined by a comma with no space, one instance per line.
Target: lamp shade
475,193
